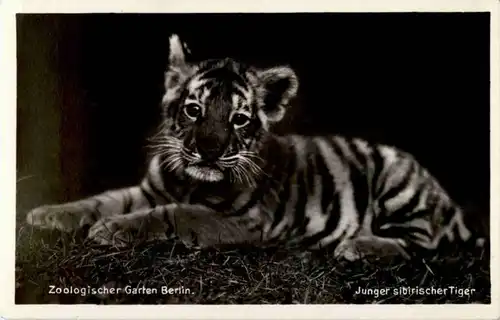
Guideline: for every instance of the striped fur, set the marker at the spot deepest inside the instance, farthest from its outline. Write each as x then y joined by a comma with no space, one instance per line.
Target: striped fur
219,176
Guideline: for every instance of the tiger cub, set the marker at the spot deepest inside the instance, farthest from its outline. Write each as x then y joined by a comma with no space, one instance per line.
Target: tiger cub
220,177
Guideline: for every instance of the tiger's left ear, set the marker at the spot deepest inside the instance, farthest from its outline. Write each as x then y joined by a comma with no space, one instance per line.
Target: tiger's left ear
277,87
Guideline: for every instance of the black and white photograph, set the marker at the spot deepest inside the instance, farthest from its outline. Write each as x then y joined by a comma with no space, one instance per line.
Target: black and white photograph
272,158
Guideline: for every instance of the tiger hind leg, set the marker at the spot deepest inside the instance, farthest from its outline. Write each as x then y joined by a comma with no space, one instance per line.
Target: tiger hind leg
434,231
369,245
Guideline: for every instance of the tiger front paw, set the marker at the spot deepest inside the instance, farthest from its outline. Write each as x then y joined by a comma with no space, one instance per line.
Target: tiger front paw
111,231
66,218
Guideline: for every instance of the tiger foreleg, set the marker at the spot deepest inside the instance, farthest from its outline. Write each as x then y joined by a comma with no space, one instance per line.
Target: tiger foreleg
75,215
195,225
123,230
64,217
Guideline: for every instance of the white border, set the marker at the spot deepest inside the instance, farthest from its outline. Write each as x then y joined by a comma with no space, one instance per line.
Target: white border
8,153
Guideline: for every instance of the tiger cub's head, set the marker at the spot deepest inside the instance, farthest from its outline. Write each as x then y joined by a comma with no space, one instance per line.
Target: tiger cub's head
217,113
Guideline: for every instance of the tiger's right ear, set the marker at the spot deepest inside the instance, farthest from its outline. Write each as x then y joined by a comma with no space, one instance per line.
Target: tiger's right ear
178,69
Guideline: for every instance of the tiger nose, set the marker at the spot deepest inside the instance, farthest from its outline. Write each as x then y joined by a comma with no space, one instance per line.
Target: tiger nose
210,152
211,141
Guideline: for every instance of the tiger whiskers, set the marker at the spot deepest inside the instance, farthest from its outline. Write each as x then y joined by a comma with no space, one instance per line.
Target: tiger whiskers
172,162
160,141
190,156
171,150
242,167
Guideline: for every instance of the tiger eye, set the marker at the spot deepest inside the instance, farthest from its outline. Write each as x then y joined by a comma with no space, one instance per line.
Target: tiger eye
192,110
240,120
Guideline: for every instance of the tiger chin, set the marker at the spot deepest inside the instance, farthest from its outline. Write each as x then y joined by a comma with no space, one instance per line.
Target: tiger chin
219,176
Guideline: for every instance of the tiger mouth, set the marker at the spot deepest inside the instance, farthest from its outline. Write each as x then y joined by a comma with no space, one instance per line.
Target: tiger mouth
205,173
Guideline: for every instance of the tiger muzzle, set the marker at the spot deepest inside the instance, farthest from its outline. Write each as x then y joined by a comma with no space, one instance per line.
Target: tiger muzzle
211,145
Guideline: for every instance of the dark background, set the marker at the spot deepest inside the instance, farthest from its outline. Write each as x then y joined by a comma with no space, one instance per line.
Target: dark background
89,87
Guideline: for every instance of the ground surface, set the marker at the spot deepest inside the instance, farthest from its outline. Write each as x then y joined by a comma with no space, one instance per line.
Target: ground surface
244,276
